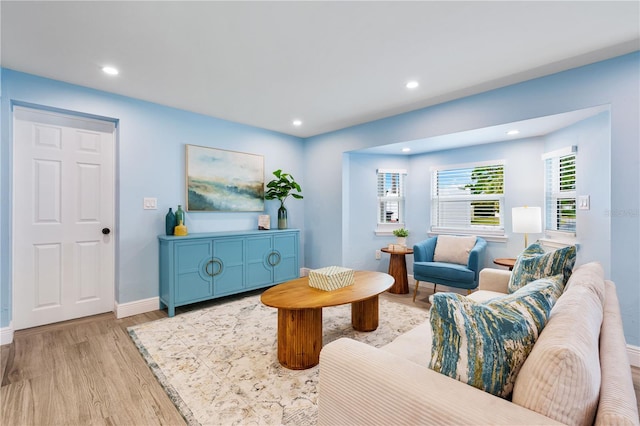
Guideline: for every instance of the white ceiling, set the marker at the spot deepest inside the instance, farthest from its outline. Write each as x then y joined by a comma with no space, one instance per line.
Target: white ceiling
329,64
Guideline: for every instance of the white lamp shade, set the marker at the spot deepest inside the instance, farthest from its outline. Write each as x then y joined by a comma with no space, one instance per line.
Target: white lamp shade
526,220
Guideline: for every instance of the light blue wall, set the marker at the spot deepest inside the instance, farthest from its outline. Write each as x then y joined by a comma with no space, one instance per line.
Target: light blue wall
593,176
362,206
523,177
614,82
151,163
524,185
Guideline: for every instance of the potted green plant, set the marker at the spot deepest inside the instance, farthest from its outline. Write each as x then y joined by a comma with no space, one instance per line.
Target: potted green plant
280,189
401,235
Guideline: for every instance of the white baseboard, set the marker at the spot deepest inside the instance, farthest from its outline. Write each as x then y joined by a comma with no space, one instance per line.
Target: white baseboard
137,307
6,334
633,352
304,272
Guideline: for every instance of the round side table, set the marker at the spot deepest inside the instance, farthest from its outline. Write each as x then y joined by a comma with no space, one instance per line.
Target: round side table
505,261
398,269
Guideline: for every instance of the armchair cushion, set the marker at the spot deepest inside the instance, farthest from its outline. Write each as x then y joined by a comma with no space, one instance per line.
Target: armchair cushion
454,249
534,263
485,344
444,271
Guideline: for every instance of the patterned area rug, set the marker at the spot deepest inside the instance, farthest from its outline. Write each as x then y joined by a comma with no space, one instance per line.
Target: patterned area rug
219,364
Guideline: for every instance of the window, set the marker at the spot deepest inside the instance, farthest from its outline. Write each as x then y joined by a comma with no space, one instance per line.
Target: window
468,199
391,196
560,190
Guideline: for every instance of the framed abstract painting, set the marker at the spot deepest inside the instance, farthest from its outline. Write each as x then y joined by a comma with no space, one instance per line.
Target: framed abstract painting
224,181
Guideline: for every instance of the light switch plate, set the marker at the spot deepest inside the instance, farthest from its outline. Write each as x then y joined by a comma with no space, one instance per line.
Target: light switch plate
150,203
583,202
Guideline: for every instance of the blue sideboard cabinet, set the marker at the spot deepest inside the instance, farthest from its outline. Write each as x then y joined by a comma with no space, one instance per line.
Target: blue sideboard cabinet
204,266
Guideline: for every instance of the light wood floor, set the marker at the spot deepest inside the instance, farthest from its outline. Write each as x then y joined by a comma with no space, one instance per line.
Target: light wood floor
82,372
88,371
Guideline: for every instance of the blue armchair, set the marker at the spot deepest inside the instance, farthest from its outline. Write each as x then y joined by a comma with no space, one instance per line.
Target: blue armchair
449,274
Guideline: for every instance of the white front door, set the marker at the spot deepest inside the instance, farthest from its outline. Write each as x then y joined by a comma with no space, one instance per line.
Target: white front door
63,217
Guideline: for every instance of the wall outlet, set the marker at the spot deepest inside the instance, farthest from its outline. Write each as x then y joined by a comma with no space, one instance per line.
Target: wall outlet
150,203
378,255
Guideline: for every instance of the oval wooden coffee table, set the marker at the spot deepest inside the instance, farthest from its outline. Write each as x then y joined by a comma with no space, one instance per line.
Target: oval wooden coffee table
300,313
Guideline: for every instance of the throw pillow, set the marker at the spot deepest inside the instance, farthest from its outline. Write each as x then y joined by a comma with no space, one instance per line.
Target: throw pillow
535,263
561,377
453,249
485,344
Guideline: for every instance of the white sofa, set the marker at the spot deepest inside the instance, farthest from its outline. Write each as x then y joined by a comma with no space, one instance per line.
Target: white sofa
392,385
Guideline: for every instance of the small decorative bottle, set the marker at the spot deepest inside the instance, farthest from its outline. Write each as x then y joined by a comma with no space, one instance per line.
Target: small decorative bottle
181,230
180,215
170,222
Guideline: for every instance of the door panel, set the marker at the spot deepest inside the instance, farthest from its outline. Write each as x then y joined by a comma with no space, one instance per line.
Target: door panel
47,275
258,270
287,268
63,195
230,253
193,266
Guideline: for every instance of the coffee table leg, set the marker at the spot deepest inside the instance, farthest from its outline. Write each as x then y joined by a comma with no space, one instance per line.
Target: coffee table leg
299,337
364,314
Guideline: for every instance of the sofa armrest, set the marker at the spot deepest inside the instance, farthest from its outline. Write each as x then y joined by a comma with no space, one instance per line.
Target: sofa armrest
494,280
618,403
360,384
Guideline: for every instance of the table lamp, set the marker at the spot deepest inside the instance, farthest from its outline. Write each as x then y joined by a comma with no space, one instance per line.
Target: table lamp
526,220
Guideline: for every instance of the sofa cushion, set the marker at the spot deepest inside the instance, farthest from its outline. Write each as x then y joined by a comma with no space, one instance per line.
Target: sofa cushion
561,377
414,345
534,263
453,249
485,344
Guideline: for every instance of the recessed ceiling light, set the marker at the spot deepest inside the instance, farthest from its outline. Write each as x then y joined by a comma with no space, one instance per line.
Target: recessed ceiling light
412,85
513,132
110,70
406,149
297,123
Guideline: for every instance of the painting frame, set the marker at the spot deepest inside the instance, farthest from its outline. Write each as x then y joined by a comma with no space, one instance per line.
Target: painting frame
220,180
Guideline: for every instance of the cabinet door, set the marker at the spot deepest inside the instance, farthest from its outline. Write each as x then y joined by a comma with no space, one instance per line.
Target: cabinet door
286,246
192,265
259,272
228,266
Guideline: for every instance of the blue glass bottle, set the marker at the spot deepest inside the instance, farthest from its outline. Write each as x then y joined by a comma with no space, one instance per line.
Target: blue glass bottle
180,216
170,222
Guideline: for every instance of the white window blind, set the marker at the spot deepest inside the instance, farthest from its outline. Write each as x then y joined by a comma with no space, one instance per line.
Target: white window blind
391,195
468,199
560,190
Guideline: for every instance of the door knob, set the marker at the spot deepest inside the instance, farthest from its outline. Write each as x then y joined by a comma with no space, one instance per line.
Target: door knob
106,231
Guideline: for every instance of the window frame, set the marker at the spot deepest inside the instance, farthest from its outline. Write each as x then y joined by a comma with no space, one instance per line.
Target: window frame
553,192
492,231
384,227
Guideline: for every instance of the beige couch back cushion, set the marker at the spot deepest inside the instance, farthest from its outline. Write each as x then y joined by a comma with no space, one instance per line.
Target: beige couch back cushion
561,377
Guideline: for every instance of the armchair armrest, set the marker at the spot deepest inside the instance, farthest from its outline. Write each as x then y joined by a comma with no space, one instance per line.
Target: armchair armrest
360,384
494,280
476,257
424,250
